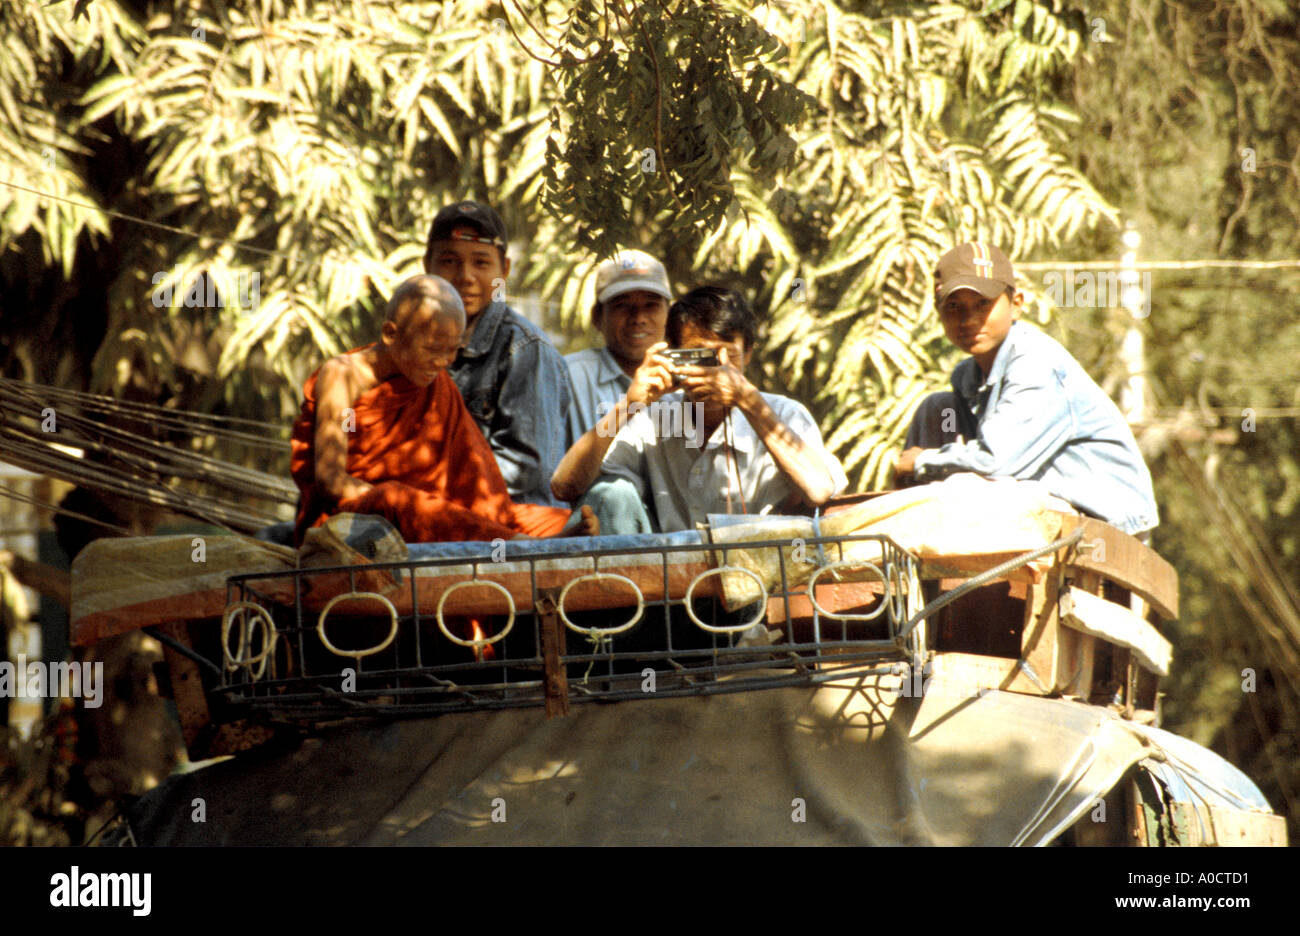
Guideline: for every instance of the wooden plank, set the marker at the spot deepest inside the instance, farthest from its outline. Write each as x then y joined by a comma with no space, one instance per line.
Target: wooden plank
1195,824
984,672
1239,827
1091,583
1074,666
1123,559
1118,625
555,680
1040,641
187,689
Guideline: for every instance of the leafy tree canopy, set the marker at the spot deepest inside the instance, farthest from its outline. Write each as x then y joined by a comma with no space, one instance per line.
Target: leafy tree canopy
819,155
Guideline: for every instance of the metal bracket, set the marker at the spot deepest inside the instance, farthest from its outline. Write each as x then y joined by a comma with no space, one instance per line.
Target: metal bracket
555,681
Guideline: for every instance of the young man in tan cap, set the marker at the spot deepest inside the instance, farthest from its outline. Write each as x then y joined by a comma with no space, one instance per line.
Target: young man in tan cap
1021,406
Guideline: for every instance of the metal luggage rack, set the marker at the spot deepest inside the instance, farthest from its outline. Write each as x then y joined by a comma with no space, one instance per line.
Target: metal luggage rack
282,661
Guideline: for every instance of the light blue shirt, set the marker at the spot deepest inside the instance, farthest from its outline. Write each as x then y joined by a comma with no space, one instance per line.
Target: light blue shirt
1040,417
597,379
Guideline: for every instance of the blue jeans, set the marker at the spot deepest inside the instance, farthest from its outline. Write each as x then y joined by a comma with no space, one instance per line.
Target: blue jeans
618,506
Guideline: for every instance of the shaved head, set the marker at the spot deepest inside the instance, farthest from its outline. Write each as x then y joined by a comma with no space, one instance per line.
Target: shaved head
425,292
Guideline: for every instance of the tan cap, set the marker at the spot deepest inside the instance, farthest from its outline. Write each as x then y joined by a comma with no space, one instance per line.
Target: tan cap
629,270
981,267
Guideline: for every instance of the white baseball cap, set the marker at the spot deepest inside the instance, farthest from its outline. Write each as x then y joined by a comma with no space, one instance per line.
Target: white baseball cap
630,270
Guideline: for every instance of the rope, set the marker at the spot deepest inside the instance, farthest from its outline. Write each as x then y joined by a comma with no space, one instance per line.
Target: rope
135,466
364,651
984,578
760,603
817,533
6,491
598,634
156,411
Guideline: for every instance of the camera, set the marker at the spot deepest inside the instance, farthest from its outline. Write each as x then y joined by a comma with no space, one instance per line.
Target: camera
692,357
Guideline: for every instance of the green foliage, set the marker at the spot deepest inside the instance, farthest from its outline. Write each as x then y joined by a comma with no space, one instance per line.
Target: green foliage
44,58
655,104
929,130
820,155
1190,129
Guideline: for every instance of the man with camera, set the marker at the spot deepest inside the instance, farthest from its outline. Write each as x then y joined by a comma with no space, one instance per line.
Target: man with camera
745,451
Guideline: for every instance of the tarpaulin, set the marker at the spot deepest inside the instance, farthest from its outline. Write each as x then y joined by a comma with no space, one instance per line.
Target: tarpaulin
854,762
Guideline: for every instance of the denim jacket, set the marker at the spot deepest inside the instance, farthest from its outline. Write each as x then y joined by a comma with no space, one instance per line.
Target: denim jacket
1041,417
517,389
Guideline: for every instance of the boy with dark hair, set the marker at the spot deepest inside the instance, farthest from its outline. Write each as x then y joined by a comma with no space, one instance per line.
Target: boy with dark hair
751,452
1021,406
513,380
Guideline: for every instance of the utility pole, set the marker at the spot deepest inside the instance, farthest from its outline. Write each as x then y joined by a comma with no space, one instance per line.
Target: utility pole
1134,394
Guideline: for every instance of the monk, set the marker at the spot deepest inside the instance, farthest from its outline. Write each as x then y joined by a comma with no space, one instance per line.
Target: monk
383,430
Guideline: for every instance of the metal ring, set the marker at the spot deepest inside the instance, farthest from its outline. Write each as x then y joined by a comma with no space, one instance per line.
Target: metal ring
367,651
848,563
481,642
730,628
898,603
239,661
600,633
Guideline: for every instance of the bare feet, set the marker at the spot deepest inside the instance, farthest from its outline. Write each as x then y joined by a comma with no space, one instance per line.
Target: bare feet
589,525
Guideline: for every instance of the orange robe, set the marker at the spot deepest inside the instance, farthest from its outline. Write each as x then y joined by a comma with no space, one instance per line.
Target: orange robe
434,475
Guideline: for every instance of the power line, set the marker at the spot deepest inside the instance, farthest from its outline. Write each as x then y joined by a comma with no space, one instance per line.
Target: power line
550,306
1030,265
1258,411
1117,265
190,421
6,491
154,224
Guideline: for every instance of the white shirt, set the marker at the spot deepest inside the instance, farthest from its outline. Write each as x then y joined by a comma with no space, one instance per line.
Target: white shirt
596,378
688,481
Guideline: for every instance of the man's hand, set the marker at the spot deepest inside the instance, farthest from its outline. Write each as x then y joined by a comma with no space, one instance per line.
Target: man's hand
906,463
653,378
724,385
580,466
